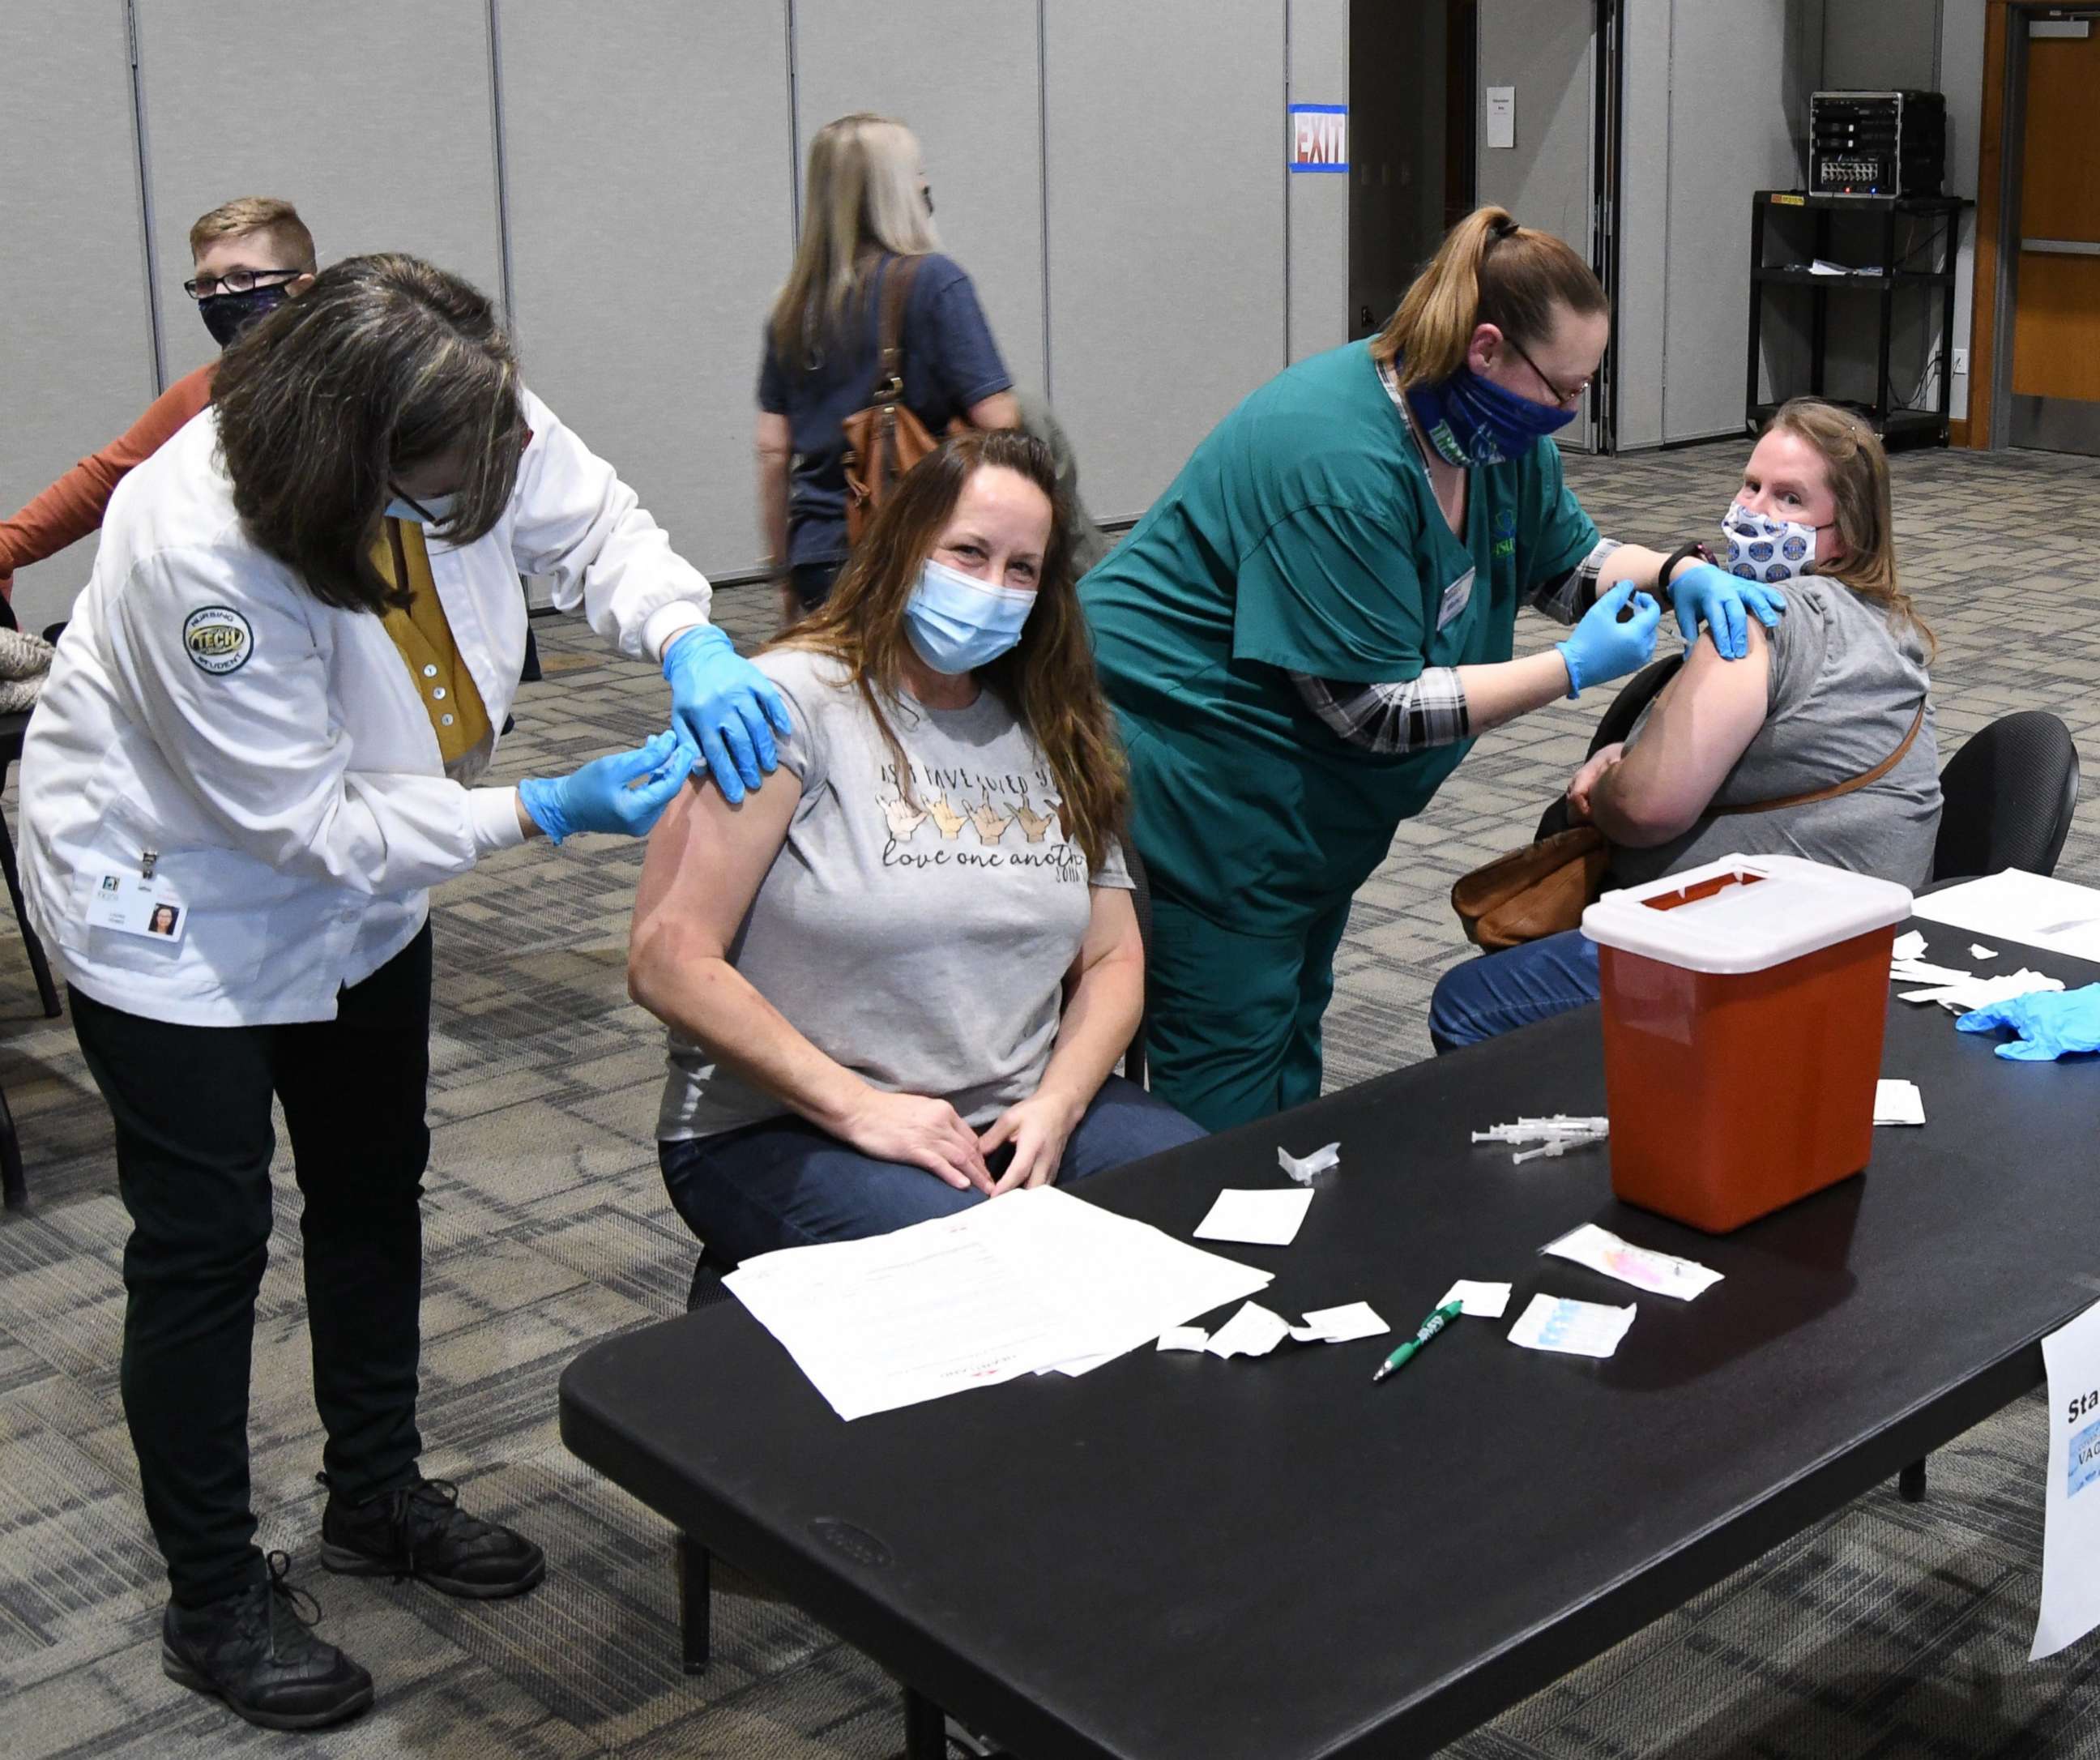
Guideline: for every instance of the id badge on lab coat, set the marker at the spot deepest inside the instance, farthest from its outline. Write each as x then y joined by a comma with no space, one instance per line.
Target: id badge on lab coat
1456,597
132,905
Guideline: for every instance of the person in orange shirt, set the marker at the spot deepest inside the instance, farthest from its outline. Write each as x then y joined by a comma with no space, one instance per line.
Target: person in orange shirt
251,254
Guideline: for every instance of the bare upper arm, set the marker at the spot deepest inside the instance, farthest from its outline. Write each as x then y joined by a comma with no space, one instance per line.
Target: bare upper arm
705,861
1701,725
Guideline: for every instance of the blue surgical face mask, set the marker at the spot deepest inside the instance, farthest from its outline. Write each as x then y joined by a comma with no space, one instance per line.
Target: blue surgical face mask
958,623
226,315
432,510
1473,420
1761,548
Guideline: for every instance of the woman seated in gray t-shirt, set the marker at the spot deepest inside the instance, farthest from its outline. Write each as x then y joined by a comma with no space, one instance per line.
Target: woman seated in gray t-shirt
898,977
1826,696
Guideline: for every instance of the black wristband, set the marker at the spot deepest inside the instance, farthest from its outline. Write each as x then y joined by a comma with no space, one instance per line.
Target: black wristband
1682,552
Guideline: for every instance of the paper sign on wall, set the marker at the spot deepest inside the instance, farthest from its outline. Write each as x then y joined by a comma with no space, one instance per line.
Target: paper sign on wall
1319,137
1501,116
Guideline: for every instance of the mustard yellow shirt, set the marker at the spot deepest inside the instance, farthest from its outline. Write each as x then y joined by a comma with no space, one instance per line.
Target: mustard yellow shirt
458,717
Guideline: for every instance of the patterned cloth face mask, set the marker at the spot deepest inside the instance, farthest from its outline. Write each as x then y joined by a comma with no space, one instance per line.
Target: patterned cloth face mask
1761,548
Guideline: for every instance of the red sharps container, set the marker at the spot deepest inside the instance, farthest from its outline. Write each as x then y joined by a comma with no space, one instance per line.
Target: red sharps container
1743,1007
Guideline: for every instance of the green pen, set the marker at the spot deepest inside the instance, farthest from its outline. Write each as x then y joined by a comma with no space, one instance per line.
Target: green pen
1435,1323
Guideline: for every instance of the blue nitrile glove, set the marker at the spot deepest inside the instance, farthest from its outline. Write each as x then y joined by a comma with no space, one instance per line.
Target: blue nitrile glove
2050,1022
721,703
623,792
1601,647
1704,595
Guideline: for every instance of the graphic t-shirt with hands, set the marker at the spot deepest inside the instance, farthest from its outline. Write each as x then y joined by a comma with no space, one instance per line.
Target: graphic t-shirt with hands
918,928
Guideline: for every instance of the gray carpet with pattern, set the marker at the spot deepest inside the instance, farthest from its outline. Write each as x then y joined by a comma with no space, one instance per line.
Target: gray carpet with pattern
1893,1631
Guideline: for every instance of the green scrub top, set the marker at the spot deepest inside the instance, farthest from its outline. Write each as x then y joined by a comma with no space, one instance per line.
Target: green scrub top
1302,535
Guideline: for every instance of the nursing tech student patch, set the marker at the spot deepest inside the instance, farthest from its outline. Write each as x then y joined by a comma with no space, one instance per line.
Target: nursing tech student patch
218,638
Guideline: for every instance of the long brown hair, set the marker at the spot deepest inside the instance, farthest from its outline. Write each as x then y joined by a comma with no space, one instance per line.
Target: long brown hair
861,200
1858,470
1047,680
384,363
1488,270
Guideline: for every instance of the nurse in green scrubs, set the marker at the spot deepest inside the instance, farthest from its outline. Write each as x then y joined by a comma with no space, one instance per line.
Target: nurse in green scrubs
1305,634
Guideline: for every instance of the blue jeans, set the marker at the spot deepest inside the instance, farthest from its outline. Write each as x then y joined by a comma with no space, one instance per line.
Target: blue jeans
782,1182
1500,992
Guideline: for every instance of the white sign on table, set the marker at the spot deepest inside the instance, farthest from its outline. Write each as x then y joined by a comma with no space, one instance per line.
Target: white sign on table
2071,1542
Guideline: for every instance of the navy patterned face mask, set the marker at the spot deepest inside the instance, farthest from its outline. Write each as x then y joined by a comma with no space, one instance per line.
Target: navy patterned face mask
1473,420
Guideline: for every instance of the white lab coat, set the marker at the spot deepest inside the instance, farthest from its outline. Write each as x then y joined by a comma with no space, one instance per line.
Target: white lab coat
274,752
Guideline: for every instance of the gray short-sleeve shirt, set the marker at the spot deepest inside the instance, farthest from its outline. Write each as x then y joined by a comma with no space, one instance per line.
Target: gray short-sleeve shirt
919,937
1846,680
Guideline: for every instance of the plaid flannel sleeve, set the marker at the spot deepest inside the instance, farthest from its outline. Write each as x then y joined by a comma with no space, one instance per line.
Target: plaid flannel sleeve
1389,718
1565,600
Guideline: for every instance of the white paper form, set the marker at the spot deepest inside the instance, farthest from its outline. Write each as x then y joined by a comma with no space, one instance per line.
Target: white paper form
2016,905
1129,1280
1575,1328
1482,1301
1897,1102
2071,1537
1658,1273
888,1321
1002,1288
1183,1339
1261,1218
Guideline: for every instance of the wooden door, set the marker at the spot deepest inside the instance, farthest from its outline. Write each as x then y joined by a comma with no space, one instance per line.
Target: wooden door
2056,297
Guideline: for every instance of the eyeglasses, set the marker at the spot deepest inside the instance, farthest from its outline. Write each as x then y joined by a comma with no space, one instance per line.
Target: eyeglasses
237,281
1559,396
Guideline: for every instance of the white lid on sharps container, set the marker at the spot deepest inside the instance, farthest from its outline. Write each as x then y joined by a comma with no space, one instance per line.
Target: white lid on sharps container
1744,913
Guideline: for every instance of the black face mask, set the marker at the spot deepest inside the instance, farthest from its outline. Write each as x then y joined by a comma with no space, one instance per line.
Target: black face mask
226,315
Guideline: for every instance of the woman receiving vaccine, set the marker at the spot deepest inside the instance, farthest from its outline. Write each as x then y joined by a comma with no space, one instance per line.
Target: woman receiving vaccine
898,975
1310,628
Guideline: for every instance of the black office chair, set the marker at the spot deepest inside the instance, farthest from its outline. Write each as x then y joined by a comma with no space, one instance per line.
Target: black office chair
2007,798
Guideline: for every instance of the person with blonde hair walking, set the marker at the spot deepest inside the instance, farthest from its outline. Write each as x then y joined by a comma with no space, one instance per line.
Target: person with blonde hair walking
867,220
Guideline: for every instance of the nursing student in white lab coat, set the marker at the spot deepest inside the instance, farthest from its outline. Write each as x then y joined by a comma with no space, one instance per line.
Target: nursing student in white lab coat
257,750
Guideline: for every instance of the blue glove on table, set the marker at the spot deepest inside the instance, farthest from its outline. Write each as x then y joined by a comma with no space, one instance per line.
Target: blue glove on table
1602,648
1705,594
721,703
624,792
2050,1022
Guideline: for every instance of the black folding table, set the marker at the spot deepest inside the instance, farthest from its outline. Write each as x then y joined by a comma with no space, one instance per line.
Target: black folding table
1178,1558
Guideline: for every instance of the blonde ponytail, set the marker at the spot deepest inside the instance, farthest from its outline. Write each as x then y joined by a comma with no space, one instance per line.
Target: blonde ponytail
1488,270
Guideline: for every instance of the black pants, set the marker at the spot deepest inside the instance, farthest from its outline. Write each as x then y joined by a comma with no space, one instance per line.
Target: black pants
193,1146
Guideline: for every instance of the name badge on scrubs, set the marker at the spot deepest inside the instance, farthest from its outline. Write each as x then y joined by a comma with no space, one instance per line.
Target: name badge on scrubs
1456,597
132,905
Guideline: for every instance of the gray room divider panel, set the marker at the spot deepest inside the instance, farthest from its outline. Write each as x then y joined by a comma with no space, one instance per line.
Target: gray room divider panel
78,365
375,119
646,167
964,74
1165,126
1729,136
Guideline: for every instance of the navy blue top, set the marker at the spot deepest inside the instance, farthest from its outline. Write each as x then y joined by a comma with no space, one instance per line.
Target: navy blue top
950,363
